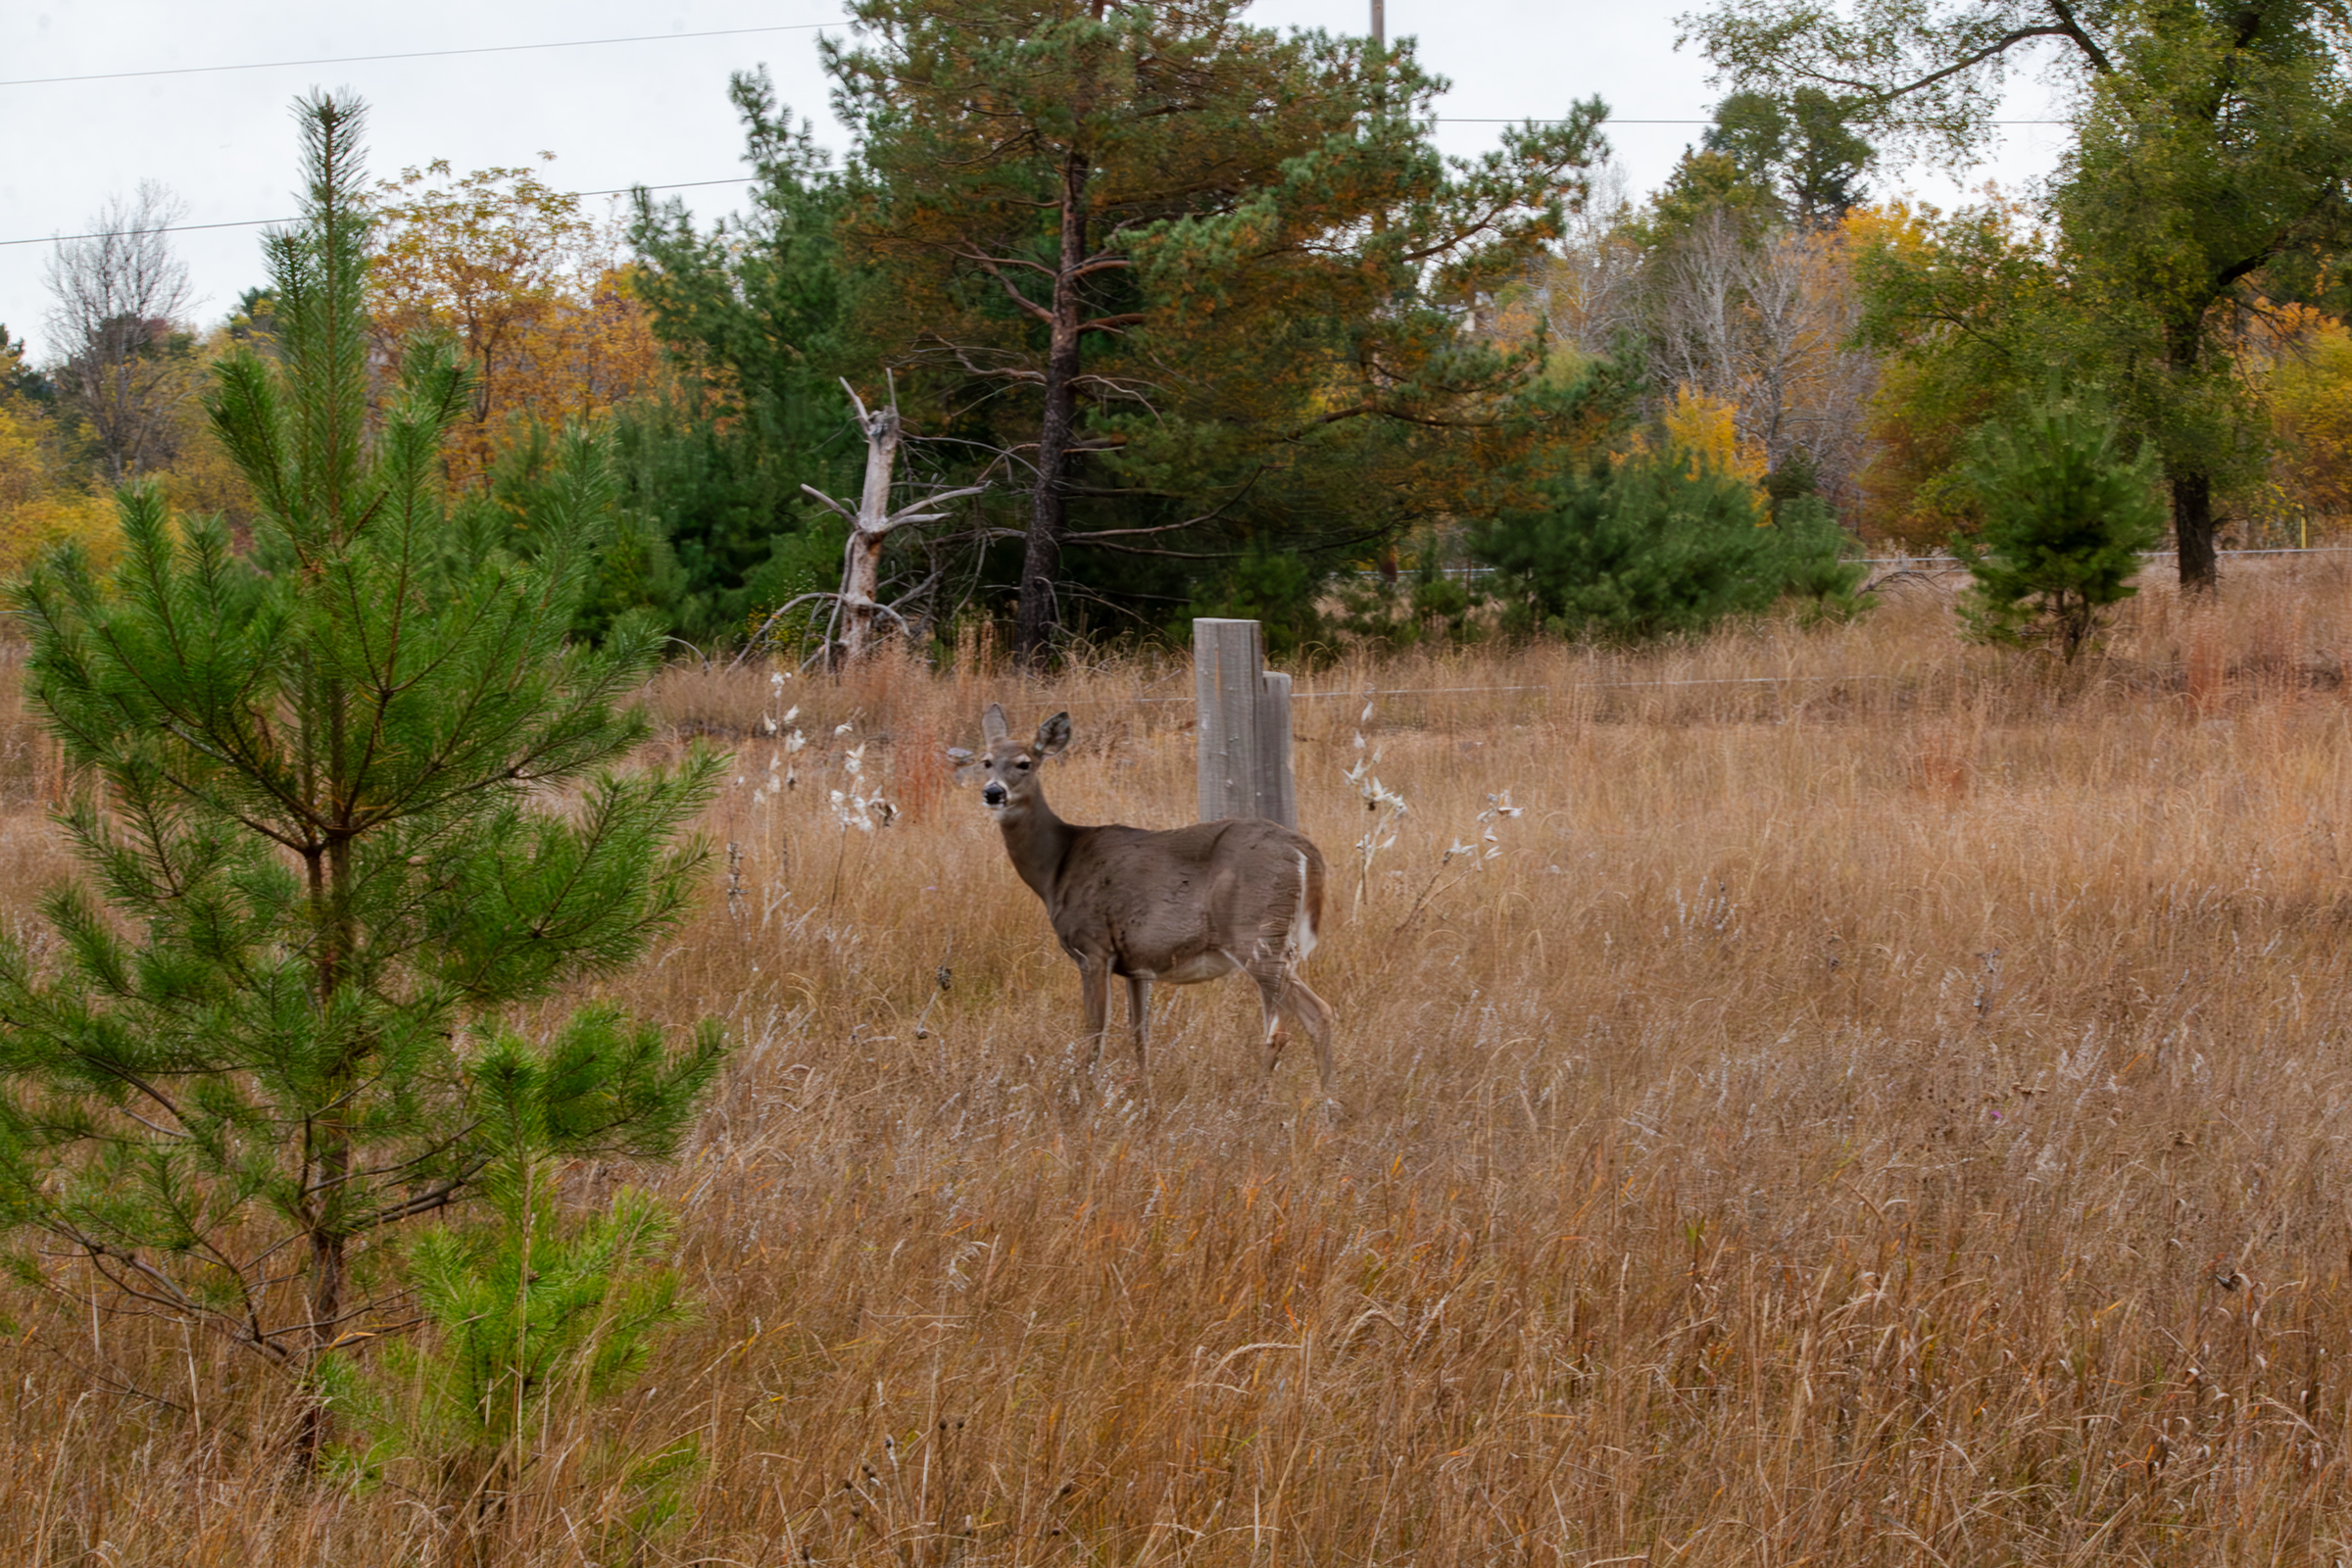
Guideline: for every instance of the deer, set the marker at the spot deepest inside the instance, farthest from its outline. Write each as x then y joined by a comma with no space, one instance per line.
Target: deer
1177,906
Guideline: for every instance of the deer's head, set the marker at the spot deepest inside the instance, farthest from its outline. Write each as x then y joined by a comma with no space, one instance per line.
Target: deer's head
1007,769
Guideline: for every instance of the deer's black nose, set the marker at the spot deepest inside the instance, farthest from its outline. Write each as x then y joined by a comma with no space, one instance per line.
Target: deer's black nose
993,794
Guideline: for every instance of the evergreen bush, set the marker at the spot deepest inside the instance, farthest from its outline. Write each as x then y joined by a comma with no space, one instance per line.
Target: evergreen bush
1656,546
1276,588
2064,518
1428,604
532,1317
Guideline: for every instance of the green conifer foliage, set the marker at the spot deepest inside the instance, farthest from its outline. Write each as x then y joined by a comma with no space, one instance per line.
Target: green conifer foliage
534,1317
718,527
2066,516
1657,546
1798,148
351,801
1203,283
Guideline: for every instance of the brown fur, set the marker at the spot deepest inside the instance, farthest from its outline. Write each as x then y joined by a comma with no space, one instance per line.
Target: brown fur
1181,906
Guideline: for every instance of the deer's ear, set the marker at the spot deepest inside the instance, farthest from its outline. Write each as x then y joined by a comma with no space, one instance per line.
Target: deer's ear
993,727
1052,735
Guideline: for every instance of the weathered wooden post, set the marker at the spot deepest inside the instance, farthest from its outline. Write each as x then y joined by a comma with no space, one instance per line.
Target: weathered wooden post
1277,789
1245,727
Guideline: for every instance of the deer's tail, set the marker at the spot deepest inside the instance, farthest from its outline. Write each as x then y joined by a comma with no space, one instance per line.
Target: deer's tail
1306,926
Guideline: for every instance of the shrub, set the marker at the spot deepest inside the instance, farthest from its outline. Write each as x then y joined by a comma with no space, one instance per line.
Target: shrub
1429,605
534,1317
1652,547
2065,515
1275,588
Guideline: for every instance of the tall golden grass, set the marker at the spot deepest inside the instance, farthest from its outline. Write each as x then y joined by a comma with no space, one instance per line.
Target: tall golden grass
1886,1102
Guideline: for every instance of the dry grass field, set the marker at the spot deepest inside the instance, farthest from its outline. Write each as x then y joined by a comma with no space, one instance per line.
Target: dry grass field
1885,1102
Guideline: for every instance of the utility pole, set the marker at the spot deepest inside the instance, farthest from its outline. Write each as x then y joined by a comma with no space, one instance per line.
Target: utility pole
1386,558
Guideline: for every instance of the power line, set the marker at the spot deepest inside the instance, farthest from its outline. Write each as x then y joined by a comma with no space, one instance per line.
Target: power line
413,54
264,223
1562,119
591,43
665,38
740,179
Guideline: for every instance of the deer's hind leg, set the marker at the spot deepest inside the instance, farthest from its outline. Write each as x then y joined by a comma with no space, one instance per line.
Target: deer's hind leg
1286,1000
1269,1002
1313,1015
1283,999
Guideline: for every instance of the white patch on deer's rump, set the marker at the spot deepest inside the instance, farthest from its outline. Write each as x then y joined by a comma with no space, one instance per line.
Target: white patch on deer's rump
1303,934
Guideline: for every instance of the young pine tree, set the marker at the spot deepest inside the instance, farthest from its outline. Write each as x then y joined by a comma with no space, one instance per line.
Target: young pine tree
534,1318
353,800
2066,516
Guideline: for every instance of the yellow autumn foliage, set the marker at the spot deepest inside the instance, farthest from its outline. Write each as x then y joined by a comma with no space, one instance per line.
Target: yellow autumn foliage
30,529
535,291
2310,383
40,506
1892,225
1705,431
23,463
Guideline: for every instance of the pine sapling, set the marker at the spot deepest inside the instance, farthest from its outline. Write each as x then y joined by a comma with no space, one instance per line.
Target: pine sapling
350,799
533,1317
2066,516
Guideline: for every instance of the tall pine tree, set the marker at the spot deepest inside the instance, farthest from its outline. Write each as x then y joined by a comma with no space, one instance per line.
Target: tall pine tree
751,310
1168,252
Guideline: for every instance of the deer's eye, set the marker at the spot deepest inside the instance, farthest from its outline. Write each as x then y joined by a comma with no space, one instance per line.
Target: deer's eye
1022,765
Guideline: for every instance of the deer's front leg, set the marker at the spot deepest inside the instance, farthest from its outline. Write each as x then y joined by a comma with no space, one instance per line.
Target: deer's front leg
1094,985
1139,1011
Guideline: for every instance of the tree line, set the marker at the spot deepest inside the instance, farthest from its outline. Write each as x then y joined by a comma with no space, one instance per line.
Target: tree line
1202,321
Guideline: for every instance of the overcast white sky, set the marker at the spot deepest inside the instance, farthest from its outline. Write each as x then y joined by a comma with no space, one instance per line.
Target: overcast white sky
652,112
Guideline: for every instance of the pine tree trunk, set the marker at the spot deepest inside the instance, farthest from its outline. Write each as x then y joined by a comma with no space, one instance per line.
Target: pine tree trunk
327,1246
328,1167
1038,615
